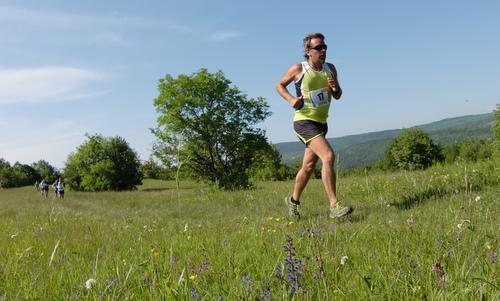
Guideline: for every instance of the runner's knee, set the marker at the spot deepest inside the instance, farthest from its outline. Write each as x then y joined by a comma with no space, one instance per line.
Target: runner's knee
329,158
309,167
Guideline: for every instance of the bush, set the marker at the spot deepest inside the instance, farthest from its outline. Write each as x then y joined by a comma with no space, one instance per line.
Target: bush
468,151
412,149
103,164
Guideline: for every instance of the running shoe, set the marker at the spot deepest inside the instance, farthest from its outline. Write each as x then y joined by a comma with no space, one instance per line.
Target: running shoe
293,209
339,211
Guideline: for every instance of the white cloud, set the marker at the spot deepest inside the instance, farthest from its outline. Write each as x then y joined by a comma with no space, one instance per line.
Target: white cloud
27,142
63,19
15,15
53,26
223,36
45,84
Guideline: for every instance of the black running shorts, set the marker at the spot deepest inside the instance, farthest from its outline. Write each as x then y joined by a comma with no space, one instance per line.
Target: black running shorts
307,130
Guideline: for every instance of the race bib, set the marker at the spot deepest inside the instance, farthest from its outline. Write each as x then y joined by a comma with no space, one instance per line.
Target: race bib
320,97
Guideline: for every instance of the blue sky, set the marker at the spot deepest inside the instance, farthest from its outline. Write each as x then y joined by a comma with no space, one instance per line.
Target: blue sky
73,67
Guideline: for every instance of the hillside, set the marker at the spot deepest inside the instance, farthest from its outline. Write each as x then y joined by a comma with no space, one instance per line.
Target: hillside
356,150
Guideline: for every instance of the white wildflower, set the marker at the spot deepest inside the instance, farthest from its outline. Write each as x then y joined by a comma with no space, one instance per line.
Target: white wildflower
410,220
13,235
343,260
462,224
185,227
477,199
89,283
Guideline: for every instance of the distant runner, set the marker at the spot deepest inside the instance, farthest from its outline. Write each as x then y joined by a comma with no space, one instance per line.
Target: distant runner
54,187
44,188
316,83
60,188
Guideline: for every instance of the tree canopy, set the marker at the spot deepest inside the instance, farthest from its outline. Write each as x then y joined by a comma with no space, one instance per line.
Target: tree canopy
496,132
412,149
22,174
209,125
103,163
46,171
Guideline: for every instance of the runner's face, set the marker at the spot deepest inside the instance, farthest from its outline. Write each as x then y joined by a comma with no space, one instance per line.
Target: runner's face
315,54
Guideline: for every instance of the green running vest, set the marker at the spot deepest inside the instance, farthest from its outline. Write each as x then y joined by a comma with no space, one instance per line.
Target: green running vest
313,85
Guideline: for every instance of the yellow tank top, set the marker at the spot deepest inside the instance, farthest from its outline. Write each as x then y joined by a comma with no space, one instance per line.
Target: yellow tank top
313,85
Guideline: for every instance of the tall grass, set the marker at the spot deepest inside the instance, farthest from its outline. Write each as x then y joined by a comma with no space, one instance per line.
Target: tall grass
422,235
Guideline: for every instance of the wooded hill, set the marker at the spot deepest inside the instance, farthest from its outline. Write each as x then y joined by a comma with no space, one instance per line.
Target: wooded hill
356,150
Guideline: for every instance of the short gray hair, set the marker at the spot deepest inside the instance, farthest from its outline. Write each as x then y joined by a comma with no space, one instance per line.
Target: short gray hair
307,41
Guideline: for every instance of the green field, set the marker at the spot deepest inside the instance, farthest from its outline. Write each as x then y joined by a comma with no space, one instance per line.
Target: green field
426,235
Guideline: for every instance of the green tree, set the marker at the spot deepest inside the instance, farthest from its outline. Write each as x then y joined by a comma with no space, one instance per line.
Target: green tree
496,132
103,163
412,149
24,174
209,126
6,176
267,165
46,171
152,170
451,152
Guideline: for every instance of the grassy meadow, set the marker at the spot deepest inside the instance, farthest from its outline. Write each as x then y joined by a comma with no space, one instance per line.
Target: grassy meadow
424,235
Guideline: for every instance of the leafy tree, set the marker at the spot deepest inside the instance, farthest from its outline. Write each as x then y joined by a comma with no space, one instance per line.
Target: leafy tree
468,151
412,149
24,174
451,152
496,132
46,171
18,174
152,170
103,163
267,165
209,126
6,176
4,163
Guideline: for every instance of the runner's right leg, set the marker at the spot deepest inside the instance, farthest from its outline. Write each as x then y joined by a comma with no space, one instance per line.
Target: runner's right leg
304,173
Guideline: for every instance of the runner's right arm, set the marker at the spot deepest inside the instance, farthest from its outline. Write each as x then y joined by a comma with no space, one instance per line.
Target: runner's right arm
293,73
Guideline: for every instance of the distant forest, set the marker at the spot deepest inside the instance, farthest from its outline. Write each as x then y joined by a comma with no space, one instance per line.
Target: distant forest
363,149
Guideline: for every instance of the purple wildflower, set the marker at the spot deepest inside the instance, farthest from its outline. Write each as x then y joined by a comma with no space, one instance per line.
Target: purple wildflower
247,279
294,266
493,257
278,273
194,293
204,265
439,272
440,243
249,282
266,294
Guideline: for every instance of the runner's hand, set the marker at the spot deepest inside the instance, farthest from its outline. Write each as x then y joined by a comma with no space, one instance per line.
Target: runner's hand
333,84
298,103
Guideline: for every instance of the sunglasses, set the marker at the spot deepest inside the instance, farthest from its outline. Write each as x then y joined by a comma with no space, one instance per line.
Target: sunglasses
319,47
